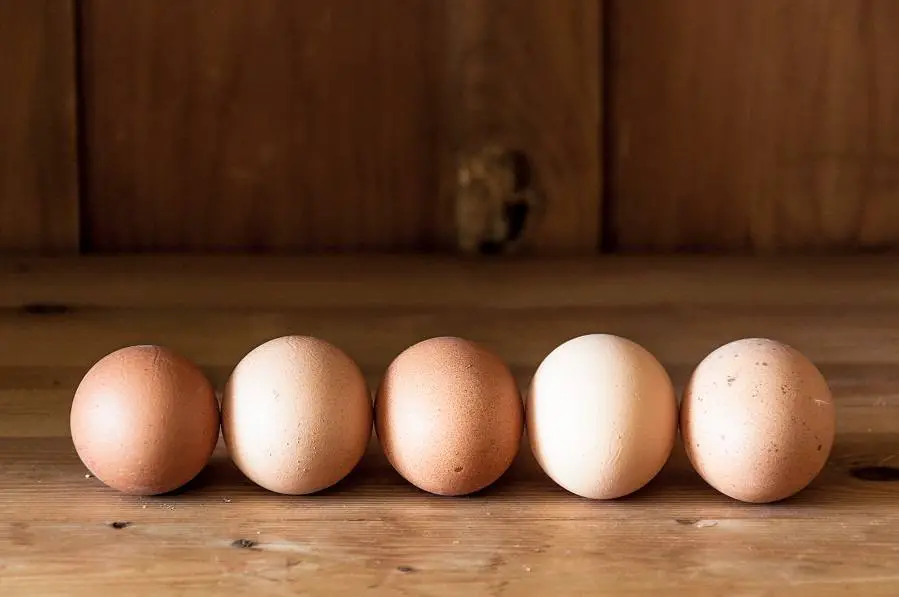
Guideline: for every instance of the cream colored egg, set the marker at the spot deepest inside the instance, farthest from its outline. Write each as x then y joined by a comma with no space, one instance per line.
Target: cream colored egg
601,416
296,415
758,421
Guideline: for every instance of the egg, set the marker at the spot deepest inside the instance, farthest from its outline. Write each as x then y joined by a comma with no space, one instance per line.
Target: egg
296,415
449,416
758,420
601,416
144,420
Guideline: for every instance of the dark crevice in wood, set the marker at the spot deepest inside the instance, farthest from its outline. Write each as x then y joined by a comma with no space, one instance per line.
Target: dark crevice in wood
82,152
244,544
45,309
876,473
607,242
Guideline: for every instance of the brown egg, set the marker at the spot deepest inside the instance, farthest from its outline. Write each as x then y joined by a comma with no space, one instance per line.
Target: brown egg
449,416
144,420
757,420
296,415
601,416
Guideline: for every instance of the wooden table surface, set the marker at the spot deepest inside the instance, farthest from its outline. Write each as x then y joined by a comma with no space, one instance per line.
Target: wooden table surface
64,533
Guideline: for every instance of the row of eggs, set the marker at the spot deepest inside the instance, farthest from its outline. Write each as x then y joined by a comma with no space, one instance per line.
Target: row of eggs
756,417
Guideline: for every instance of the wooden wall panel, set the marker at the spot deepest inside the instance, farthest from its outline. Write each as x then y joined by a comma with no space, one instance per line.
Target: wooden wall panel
334,124
261,124
754,124
524,75
38,150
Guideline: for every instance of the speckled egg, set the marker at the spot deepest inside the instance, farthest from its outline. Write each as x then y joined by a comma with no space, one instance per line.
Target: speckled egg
601,416
449,416
144,420
296,415
757,419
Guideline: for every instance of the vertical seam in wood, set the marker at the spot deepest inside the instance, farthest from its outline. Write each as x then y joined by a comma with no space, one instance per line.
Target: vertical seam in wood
450,114
83,243
607,237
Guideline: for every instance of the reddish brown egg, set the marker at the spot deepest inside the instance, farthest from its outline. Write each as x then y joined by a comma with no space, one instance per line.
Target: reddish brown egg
144,420
449,416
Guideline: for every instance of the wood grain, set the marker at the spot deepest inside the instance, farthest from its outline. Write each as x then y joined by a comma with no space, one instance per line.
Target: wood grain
524,75
48,286
38,156
376,534
219,338
754,125
261,125
217,309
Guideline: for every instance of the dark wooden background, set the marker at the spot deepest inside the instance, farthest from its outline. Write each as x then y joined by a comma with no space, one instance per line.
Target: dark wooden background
321,125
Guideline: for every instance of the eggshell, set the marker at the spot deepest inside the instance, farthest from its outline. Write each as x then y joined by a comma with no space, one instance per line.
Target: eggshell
449,416
758,420
144,420
296,415
601,416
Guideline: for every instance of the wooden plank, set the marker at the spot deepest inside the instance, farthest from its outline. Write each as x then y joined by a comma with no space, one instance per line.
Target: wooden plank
374,533
38,156
35,412
274,283
524,75
219,338
754,125
261,125
216,309
378,534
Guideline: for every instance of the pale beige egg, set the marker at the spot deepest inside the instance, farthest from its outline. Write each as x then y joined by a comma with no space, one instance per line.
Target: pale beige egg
601,416
758,420
296,415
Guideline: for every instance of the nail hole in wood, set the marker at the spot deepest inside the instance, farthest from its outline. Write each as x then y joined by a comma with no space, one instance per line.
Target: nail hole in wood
244,544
